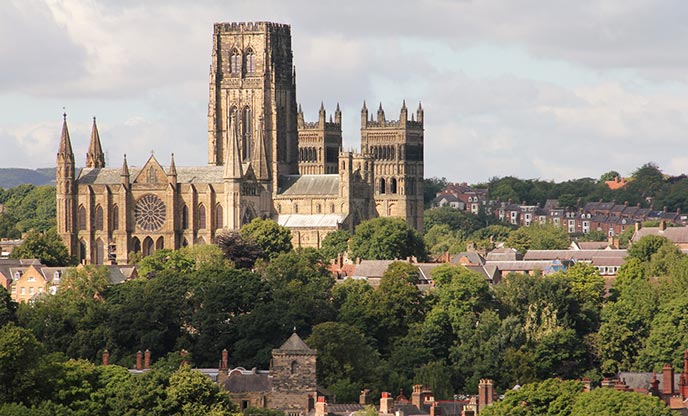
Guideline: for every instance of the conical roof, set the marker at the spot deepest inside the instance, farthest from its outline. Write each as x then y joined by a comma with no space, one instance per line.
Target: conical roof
295,345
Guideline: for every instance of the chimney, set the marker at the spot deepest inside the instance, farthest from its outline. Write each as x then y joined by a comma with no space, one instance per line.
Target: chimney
485,393
139,360
387,403
146,359
321,407
667,380
224,364
654,385
662,225
683,381
607,382
416,397
435,409
106,357
364,398
183,354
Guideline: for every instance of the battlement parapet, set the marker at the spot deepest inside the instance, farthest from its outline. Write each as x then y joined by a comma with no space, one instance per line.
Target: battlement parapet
272,27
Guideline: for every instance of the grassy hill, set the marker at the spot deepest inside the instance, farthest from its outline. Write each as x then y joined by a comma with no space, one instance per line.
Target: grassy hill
11,177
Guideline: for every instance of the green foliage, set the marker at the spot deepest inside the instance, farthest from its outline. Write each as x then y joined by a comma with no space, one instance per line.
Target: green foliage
172,260
551,397
441,239
8,308
386,238
606,401
538,237
45,246
194,394
270,237
20,355
644,248
27,207
609,176
431,186
335,243
455,219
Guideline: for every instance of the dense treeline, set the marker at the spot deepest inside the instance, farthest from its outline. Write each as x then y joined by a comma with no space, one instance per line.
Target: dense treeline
26,207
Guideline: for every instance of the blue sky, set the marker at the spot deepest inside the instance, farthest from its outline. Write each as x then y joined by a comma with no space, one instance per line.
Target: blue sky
551,90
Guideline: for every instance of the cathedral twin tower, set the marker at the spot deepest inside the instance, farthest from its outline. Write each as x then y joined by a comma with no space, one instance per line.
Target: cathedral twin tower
264,160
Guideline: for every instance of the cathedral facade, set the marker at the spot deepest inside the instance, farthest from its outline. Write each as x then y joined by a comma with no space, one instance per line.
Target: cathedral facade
264,161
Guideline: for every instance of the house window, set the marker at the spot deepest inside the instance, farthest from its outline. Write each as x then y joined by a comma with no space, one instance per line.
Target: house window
31,279
31,290
22,290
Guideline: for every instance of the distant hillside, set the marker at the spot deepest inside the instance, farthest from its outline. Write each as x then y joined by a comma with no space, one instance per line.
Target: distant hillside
11,177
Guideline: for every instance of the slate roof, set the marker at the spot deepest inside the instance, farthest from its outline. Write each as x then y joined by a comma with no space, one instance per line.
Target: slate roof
471,256
503,254
372,268
642,380
295,344
242,381
674,234
308,185
310,220
573,254
185,174
592,245
344,408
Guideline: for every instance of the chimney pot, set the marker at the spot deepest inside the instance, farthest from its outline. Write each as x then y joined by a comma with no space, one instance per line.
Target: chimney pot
106,357
139,360
147,359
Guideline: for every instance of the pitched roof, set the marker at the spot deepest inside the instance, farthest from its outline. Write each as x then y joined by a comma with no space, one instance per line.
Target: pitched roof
674,234
241,381
295,344
308,185
573,254
185,174
372,268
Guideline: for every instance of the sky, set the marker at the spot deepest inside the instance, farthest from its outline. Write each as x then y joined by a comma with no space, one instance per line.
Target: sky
554,90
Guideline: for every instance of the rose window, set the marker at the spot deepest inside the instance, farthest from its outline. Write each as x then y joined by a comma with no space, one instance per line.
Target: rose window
149,212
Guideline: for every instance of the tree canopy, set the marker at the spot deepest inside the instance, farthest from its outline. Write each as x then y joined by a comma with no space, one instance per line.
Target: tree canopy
387,238
45,246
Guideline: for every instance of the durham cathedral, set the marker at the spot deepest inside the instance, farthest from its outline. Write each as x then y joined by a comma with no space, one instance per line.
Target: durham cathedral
264,161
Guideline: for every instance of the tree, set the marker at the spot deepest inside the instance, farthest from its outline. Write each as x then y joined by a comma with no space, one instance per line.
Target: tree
431,187
606,401
455,219
8,307
166,259
335,243
47,247
242,252
609,176
343,354
648,245
269,236
387,238
20,358
538,237
192,393
441,239
552,397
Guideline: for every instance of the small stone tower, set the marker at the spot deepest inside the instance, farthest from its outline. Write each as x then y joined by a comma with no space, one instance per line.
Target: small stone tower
396,147
319,143
294,383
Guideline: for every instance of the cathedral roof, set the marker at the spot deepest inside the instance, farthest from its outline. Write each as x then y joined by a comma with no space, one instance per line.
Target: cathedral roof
110,176
309,185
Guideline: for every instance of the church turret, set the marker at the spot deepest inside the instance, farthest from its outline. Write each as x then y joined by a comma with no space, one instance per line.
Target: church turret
300,122
380,114
364,115
322,118
95,157
338,115
403,116
125,172
172,172
66,190
419,113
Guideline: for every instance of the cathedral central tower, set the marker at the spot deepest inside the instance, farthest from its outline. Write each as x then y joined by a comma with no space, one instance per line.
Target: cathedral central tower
252,81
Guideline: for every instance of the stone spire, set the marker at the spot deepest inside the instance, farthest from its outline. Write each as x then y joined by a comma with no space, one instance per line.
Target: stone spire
419,113
338,115
95,157
233,157
125,171
364,115
65,143
380,114
404,112
172,171
321,114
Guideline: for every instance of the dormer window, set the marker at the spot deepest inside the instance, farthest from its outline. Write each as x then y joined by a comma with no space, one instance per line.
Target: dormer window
56,275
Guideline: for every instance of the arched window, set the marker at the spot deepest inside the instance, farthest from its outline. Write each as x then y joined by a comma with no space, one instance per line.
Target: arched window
247,130
185,242
136,245
293,367
160,244
148,247
115,217
250,61
100,251
201,217
235,62
185,217
382,188
151,175
99,219
218,216
393,186
81,217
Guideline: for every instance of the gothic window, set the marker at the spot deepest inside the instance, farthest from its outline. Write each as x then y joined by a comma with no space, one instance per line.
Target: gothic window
151,175
160,244
115,217
235,62
148,246
81,217
246,127
218,216
100,251
150,212
250,61
332,208
185,217
136,245
201,217
382,186
99,218
393,186
185,242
